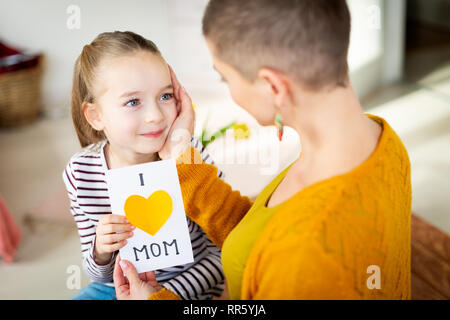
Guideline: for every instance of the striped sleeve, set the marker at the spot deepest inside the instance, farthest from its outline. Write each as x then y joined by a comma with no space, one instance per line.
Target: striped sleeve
86,230
203,279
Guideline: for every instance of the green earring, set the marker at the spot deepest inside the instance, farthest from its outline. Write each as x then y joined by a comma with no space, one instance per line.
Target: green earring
279,125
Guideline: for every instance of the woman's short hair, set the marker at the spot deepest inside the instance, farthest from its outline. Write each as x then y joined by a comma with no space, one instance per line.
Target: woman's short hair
307,39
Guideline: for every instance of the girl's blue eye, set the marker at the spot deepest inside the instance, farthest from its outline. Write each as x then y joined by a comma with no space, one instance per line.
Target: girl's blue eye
132,103
166,96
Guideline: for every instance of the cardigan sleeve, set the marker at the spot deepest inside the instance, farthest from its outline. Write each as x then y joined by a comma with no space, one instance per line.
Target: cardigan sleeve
208,200
163,294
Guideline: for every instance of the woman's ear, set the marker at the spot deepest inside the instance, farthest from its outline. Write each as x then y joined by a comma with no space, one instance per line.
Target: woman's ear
92,115
279,85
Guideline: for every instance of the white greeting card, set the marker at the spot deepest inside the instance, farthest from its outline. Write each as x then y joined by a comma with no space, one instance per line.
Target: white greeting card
149,195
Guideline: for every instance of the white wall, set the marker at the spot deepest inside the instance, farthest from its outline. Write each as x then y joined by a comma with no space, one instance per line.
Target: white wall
175,26
376,50
42,26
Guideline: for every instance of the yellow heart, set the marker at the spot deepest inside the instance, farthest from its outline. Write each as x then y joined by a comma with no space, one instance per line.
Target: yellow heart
149,214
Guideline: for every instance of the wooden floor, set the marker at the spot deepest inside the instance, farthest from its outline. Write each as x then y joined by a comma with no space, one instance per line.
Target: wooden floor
430,261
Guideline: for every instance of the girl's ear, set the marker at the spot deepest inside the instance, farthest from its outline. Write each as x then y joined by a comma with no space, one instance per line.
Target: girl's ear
92,115
279,85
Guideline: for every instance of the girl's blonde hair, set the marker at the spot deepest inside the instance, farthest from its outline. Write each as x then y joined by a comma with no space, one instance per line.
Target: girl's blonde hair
107,44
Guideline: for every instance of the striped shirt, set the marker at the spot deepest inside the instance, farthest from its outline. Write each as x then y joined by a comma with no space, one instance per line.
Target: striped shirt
84,177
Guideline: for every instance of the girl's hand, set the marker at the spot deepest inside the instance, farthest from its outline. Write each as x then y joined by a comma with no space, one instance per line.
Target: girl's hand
182,128
111,234
134,286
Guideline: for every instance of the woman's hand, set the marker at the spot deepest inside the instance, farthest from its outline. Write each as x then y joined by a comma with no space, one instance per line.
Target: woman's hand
111,234
134,286
182,128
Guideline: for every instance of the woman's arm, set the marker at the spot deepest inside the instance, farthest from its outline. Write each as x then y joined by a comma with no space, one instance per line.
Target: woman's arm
209,201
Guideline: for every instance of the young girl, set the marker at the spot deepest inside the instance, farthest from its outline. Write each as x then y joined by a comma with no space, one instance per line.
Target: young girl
124,105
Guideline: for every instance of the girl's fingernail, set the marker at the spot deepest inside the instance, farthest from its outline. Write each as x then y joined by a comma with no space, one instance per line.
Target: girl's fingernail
184,89
123,264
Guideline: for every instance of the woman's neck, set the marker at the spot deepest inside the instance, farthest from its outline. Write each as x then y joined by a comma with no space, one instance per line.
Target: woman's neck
335,134
118,158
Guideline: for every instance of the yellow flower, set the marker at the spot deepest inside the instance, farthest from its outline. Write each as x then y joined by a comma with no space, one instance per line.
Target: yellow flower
241,131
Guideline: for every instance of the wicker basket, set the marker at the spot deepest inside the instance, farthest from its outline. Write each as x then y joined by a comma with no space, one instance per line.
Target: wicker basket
20,96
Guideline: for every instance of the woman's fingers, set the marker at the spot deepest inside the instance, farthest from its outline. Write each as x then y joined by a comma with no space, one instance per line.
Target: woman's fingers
120,283
150,277
132,286
176,88
183,127
131,273
180,93
175,84
118,277
184,102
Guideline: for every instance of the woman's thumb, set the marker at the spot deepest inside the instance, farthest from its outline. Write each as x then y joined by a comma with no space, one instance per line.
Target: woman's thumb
186,102
131,272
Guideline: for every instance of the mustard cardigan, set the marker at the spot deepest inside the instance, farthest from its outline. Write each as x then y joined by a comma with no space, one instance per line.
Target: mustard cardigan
346,237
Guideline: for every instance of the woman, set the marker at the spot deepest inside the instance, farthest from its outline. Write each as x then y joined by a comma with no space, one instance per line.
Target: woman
336,223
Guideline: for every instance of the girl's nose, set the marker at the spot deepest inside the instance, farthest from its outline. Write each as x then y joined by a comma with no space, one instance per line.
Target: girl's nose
153,115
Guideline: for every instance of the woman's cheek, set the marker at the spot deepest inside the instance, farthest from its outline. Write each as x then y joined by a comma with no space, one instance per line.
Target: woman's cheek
238,97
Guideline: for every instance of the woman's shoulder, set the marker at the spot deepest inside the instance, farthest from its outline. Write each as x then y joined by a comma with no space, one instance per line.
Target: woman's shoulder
351,217
390,150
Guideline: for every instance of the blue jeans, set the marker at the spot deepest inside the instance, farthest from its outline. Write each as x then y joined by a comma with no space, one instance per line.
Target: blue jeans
96,291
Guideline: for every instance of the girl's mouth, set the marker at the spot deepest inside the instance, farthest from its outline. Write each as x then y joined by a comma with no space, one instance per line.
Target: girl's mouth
153,134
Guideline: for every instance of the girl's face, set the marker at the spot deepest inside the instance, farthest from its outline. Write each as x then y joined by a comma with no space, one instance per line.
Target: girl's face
135,101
